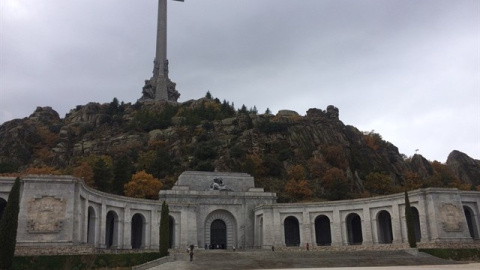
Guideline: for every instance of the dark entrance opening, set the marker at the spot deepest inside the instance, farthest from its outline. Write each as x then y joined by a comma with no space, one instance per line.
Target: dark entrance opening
416,224
292,231
385,235
354,229
91,226
137,231
470,217
3,204
111,229
218,234
171,226
323,233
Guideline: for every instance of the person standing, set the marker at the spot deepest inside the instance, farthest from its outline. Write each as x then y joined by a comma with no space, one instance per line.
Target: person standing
191,255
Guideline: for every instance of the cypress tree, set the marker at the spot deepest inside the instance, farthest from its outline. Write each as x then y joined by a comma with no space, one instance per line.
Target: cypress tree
412,241
8,226
164,230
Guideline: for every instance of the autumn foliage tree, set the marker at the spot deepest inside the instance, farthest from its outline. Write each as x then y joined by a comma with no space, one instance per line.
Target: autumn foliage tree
297,187
143,185
379,184
335,184
41,170
85,172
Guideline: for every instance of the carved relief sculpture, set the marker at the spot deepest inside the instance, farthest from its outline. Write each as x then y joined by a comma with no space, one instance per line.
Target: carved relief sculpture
46,214
451,218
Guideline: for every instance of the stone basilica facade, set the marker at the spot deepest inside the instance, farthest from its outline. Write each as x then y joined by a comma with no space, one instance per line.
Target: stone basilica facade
220,210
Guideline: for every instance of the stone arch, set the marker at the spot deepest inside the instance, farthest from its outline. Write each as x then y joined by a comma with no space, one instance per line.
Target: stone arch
291,228
137,238
354,229
323,233
384,225
416,223
171,226
471,222
3,204
91,225
111,229
230,227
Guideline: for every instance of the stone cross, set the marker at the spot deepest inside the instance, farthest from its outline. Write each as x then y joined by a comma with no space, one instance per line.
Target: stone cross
160,87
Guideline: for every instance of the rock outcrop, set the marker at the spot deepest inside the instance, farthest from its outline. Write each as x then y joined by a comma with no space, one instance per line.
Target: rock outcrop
206,134
464,167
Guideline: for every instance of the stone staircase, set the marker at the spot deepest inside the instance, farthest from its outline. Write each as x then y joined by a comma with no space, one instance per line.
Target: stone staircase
266,259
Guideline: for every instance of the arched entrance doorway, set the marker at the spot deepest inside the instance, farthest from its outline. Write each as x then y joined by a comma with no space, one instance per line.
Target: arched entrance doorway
218,234
171,227
111,230
323,234
91,226
292,231
3,204
471,222
220,230
416,224
384,223
354,229
137,231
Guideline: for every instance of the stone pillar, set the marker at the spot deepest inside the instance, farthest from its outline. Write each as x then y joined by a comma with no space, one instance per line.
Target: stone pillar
125,233
278,239
336,227
306,235
423,217
367,227
103,222
396,224
154,230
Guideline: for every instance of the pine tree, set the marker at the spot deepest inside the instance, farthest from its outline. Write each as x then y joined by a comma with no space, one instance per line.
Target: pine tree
8,227
412,241
164,230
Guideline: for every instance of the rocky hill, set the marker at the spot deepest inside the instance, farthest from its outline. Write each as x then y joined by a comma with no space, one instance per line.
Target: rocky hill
308,157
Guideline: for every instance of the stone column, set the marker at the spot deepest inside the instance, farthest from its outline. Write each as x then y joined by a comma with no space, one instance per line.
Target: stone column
154,229
84,220
102,226
396,224
278,239
336,228
367,227
125,233
306,236
423,218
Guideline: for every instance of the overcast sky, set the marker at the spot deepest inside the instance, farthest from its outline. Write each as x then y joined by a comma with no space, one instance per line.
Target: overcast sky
408,69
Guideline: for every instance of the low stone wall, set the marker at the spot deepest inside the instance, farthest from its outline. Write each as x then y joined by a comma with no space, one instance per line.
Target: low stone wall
53,250
72,250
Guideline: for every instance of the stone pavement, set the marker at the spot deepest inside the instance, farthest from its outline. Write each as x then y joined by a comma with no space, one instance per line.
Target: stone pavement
263,259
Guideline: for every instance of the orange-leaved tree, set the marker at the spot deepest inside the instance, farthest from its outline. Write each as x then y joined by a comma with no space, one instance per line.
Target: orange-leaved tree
143,185
85,172
297,187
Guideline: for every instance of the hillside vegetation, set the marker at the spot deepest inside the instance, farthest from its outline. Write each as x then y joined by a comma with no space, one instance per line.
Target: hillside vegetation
311,157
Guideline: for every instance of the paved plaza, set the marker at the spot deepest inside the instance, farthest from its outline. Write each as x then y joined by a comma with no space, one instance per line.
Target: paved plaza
223,260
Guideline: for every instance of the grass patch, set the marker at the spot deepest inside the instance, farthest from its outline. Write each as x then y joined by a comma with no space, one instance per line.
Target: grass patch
82,262
454,254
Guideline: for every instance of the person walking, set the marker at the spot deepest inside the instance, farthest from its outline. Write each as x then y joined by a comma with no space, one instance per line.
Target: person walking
191,255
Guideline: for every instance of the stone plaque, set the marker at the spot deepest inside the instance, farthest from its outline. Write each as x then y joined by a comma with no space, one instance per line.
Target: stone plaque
451,218
46,214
